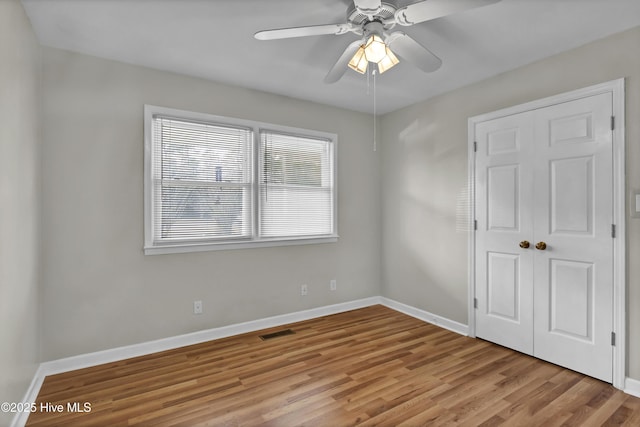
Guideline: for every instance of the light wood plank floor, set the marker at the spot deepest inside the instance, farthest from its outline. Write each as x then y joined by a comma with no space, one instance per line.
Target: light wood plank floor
366,367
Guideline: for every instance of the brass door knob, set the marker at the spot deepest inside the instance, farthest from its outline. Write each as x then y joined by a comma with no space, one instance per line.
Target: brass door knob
524,244
541,246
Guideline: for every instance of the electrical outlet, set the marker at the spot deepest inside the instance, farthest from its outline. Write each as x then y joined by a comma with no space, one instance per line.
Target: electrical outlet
304,289
332,285
197,307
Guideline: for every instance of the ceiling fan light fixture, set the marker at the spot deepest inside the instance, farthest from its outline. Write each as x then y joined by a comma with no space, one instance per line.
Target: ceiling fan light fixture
374,50
388,61
359,61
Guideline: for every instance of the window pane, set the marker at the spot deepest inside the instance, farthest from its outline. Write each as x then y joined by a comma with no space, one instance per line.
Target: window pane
202,179
295,211
204,152
296,186
205,212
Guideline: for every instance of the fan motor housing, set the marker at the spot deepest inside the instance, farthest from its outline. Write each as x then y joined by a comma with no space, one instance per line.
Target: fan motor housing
356,17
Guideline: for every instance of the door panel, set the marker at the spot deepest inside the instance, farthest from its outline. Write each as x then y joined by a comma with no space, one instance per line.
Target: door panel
571,186
571,285
503,198
503,285
571,129
503,141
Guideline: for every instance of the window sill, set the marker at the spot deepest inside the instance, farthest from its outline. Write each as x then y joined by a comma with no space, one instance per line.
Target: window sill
203,247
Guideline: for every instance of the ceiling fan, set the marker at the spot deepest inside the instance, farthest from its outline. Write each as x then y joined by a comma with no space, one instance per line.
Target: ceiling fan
373,19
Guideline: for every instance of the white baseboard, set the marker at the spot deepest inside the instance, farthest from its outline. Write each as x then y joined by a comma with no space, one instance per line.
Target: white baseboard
120,353
425,316
135,350
20,419
632,387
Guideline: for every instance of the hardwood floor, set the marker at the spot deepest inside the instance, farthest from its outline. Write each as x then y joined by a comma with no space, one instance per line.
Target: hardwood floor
366,367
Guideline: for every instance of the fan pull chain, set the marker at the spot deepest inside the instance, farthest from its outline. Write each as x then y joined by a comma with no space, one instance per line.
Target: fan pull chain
368,80
375,113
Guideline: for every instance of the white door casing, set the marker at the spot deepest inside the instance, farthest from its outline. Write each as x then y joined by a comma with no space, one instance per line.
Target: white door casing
565,192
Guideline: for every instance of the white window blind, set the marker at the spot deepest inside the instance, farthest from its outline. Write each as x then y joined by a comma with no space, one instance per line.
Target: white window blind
202,180
215,182
296,185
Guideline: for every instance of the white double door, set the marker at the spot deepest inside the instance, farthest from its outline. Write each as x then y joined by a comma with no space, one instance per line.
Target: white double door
544,177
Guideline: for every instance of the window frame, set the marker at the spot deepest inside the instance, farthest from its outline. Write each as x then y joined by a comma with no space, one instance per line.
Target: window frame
156,247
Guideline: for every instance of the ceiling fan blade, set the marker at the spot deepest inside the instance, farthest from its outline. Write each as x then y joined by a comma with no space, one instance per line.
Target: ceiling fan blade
314,30
432,9
340,67
412,51
368,7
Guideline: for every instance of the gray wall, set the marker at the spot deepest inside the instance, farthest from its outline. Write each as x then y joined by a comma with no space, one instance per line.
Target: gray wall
424,175
100,291
19,205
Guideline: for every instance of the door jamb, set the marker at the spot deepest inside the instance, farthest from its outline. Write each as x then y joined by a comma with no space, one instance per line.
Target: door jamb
617,90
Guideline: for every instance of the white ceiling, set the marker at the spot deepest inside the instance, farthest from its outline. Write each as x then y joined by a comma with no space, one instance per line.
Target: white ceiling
213,39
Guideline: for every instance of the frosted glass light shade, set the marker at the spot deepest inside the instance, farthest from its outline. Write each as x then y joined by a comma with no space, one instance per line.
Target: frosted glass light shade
375,49
387,62
359,61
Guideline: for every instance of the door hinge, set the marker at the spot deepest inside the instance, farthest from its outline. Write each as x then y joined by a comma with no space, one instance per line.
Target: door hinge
613,338
613,231
475,146
475,303
475,224
613,122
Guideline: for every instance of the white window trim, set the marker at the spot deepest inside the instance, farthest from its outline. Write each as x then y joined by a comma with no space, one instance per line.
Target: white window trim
154,248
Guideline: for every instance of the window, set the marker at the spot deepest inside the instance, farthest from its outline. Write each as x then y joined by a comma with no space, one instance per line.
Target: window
296,186
219,183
